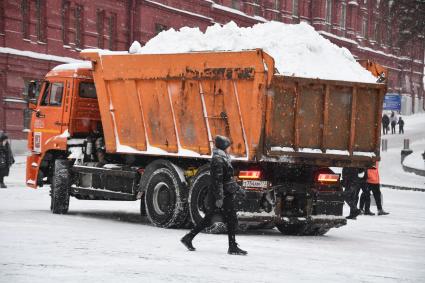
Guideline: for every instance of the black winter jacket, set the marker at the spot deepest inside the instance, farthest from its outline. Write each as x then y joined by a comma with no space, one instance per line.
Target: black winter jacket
6,158
351,176
221,173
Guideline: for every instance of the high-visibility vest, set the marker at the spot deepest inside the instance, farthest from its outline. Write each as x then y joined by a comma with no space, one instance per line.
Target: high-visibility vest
373,176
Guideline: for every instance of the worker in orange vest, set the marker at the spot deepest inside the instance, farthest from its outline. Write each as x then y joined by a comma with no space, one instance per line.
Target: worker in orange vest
372,184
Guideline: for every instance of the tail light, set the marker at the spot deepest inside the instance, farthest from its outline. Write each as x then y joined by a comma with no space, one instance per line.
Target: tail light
249,175
327,178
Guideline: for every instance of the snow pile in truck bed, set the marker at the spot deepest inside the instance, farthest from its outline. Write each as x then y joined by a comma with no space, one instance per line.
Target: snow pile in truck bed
298,49
73,66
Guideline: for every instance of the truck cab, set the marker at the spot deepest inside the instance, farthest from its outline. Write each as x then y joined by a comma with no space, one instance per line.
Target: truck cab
66,106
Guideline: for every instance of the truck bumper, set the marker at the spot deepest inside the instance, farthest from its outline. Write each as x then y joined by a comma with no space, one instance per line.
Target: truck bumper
323,221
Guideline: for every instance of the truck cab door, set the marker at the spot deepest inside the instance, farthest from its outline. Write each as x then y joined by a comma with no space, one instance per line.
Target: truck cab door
48,115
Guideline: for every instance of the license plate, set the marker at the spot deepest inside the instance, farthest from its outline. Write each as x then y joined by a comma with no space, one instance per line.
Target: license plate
254,184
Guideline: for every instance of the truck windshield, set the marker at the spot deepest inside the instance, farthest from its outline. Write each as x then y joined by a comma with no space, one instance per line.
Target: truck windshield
87,90
52,95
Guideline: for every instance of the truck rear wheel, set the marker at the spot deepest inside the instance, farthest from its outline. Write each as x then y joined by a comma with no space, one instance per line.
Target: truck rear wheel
198,201
59,192
165,196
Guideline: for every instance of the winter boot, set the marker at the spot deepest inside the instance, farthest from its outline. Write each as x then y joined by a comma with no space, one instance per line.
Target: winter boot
382,212
235,250
2,185
187,242
353,214
369,213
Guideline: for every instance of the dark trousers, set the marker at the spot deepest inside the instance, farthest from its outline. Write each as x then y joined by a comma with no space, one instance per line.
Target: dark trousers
365,197
1,179
385,129
351,195
393,128
400,130
228,213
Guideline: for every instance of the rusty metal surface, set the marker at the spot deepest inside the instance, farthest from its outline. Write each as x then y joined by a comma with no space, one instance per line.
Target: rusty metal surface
373,67
307,117
175,104
178,102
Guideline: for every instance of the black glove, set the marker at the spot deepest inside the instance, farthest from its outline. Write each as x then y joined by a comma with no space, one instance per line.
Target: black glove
219,203
241,192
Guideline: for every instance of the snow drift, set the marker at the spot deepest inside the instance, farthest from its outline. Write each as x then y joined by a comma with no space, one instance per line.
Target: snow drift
298,49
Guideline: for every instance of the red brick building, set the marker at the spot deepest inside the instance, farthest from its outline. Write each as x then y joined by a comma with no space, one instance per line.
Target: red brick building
55,30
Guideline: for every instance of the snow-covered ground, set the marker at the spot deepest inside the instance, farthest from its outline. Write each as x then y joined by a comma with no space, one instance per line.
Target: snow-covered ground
390,167
109,242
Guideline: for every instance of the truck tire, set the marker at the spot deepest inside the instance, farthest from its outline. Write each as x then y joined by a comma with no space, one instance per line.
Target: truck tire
197,201
165,195
60,187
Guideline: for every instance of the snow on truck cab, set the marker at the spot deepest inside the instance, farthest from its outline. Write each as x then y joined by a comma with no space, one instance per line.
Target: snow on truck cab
132,126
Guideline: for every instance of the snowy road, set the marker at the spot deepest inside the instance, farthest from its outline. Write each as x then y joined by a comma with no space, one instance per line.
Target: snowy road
109,242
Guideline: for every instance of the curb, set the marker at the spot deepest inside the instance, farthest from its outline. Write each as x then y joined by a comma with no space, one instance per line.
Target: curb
403,188
418,172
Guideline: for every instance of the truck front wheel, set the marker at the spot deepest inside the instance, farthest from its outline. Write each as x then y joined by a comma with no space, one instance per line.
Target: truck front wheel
59,192
165,199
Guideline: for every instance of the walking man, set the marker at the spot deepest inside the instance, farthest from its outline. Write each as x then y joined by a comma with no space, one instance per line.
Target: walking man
385,124
400,126
6,158
393,120
220,197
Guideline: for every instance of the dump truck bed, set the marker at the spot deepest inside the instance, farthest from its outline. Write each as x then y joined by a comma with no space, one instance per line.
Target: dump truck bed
174,104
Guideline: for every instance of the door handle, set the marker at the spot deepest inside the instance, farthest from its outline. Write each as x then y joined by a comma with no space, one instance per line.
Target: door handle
57,123
38,114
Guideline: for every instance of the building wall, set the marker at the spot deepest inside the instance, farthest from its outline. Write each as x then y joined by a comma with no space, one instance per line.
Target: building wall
64,27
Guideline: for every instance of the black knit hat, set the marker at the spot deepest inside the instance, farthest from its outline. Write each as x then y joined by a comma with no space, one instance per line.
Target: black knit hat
3,136
222,142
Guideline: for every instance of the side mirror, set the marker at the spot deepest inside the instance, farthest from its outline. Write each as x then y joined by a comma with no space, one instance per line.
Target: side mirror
32,90
32,103
31,93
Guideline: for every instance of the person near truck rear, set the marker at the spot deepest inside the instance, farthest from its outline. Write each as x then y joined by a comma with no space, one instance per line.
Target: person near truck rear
220,197
6,158
373,184
352,184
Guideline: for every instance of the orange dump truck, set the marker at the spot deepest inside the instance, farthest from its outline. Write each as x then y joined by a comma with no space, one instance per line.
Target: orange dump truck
134,126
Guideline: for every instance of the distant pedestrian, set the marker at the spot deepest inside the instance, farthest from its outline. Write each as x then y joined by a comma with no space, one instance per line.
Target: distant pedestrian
6,158
220,197
373,184
352,184
385,123
393,120
400,125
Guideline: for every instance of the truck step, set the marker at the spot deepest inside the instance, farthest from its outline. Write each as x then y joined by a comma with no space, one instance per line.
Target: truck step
104,171
99,194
